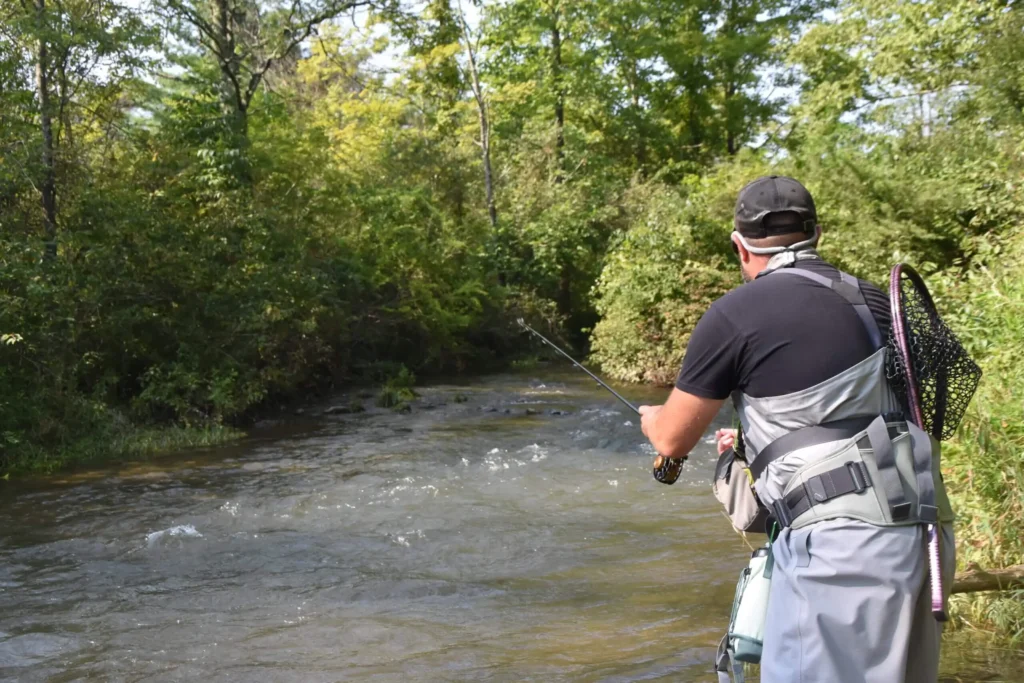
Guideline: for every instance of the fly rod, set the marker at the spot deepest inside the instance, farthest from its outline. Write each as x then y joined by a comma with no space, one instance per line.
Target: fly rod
666,470
573,361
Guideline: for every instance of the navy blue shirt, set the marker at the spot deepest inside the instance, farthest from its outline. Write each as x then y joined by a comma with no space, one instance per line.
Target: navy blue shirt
779,334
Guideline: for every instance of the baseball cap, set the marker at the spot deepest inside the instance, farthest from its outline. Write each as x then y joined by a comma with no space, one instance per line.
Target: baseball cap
770,195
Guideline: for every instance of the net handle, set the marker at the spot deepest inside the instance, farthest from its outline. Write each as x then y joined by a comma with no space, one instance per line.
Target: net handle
913,398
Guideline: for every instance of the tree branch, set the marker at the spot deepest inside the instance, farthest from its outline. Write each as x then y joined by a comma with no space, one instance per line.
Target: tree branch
195,19
305,32
975,579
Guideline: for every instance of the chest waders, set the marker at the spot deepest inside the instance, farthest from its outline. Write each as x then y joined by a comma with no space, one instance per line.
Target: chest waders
838,450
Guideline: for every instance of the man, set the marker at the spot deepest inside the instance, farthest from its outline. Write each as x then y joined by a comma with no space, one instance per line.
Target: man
800,348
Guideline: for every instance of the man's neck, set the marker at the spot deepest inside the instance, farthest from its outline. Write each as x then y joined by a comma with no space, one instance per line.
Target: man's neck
786,259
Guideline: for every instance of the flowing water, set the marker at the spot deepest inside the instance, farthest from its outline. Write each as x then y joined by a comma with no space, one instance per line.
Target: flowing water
516,535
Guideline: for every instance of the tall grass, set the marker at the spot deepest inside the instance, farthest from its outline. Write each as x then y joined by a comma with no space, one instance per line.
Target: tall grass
984,464
113,446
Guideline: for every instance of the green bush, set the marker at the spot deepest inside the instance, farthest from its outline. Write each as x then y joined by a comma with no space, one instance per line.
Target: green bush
660,277
397,390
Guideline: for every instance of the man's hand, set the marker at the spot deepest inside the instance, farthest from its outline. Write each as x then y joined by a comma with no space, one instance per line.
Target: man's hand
675,428
648,416
726,439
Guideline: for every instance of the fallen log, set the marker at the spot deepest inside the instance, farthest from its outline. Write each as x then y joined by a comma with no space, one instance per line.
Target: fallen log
975,579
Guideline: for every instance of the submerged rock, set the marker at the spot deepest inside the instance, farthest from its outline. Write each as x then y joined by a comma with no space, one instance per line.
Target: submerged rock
347,409
338,410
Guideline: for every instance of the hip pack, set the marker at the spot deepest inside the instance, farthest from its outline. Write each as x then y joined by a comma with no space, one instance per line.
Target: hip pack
733,487
882,471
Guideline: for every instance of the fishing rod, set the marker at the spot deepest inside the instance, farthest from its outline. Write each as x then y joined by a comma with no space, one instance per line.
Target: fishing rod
666,470
573,361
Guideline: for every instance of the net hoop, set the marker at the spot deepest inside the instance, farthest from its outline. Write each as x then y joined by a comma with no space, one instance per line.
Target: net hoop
899,324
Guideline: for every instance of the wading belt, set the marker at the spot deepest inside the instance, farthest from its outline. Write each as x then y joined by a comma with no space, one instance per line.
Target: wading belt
851,477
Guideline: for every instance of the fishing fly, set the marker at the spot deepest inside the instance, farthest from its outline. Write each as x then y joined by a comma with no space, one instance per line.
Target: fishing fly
665,470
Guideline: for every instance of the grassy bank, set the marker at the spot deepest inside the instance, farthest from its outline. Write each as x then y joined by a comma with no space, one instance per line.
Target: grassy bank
128,444
984,463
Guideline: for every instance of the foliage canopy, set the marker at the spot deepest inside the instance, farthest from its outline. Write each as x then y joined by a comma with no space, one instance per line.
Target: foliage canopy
209,207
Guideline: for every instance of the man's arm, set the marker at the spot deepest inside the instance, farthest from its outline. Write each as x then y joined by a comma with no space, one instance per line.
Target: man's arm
676,427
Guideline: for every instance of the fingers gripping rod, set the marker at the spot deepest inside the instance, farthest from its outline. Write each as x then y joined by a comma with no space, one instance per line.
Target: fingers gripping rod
666,470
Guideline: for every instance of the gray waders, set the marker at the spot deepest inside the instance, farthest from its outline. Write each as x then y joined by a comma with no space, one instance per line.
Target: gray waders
852,485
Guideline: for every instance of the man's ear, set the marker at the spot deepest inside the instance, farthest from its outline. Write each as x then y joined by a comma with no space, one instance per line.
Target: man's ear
741,250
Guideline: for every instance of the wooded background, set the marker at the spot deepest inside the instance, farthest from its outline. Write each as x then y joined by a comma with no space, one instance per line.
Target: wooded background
209,206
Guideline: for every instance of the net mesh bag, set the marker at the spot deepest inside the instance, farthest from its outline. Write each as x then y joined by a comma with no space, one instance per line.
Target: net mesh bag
941,373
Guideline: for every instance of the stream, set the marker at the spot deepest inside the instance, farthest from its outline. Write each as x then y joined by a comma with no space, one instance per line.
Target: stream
507,529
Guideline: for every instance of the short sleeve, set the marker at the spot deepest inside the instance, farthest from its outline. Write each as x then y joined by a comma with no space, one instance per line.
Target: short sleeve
712,360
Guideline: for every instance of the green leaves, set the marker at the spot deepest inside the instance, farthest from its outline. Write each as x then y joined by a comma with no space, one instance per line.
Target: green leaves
660,278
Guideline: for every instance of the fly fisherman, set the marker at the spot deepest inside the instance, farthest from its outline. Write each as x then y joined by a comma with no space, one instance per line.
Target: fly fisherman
800,348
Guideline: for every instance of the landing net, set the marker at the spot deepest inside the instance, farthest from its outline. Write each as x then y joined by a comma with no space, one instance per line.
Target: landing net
928,368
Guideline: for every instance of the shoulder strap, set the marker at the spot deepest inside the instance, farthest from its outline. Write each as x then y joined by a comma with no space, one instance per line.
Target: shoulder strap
726,665
848,288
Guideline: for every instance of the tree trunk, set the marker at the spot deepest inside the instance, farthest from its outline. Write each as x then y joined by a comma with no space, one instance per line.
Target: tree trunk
975,579
564,298
730,132
49,184
640,151
556,79
235,97
485,126
63,88
694,122
485,143
730,29
233,104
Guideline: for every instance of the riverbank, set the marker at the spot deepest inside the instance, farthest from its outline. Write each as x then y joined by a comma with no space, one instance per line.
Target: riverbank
129,443
984,463
110,436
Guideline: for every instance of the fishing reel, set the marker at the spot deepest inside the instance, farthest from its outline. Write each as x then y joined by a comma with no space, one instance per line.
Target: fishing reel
667,470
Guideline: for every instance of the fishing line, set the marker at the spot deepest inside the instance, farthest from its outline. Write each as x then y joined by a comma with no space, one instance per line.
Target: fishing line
665,470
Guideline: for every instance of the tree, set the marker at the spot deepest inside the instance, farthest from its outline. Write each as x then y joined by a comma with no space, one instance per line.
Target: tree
246,39
16,120
747,50
80,51
535,53
472,47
